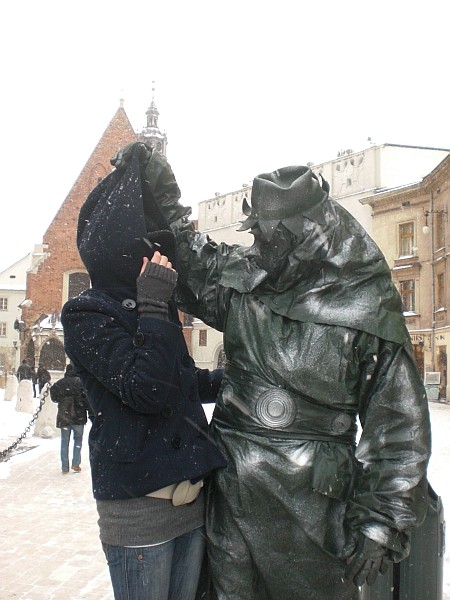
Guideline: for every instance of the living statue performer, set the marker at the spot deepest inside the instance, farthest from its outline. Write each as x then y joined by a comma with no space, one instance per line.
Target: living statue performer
315,340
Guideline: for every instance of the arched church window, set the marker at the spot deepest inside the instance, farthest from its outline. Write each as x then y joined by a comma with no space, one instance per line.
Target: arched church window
77,282
52,355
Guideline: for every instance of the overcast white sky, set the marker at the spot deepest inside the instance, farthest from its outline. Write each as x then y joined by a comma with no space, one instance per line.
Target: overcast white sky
243,87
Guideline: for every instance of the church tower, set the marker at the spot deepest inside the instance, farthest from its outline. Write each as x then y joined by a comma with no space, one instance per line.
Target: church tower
152,135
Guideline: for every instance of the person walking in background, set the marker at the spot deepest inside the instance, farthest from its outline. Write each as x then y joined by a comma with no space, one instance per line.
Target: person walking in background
34,380
73,408
24,371
43,377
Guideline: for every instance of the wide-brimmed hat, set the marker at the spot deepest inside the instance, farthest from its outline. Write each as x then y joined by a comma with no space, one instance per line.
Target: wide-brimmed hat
283,196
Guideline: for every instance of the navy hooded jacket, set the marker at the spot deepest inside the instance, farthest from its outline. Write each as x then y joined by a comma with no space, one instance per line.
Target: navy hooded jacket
150,429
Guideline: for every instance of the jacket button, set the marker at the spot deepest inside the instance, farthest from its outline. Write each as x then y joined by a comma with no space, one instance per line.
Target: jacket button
167,412
129,304
138,339
176,442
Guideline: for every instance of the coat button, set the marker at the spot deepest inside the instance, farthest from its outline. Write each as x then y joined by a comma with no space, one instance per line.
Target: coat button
167,412
138,339
129,304
176,442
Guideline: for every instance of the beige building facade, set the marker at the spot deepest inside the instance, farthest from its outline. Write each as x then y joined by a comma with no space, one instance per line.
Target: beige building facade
12,294
387,189
410,224
354,176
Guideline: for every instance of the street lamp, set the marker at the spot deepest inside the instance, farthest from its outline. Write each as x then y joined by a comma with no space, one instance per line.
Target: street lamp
427,213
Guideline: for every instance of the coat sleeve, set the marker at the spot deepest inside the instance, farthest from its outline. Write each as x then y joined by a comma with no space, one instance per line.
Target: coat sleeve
199,267
55,393
142,374
394,447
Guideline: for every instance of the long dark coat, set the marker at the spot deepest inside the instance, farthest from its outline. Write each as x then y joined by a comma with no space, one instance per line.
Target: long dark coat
307,356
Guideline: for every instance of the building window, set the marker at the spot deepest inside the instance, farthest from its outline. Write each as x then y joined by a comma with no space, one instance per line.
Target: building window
2,329
440,290
440,230
78,282
408,294
3,303
406,239
203,337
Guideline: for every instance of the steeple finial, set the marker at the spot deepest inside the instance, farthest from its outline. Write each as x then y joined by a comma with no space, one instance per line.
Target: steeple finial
151,134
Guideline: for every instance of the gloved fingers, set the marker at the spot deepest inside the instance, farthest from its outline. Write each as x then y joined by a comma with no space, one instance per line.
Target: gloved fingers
361,575
367,560
366,571
384,565
354,565
373,571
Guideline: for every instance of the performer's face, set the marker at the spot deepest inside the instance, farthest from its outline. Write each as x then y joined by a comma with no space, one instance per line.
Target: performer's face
271,254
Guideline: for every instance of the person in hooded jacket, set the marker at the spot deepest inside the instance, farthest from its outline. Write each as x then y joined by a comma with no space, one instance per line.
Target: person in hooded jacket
73,409
150,451
315,339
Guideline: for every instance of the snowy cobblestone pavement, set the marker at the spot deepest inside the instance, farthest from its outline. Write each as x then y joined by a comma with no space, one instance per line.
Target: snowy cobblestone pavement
49,546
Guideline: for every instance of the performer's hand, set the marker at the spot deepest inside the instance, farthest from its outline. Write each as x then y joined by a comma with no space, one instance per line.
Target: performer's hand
368,559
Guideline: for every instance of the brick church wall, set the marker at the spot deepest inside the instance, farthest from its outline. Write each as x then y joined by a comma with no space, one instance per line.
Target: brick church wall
45,284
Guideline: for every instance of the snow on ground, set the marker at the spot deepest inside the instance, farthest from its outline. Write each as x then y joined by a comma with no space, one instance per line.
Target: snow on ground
13,423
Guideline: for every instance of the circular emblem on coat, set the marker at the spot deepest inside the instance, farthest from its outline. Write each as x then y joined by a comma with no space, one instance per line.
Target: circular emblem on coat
275,409
341,423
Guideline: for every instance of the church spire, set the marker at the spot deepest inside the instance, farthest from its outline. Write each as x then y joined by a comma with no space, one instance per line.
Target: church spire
151,134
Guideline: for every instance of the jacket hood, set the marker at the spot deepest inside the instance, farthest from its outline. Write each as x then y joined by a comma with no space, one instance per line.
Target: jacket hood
334,275
121,216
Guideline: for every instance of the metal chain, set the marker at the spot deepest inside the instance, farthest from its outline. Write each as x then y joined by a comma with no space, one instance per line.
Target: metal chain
4,453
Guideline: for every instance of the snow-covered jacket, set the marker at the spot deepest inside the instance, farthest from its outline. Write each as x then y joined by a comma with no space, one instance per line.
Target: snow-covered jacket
150,429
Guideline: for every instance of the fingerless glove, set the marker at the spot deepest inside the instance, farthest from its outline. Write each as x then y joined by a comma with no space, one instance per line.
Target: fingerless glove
154,288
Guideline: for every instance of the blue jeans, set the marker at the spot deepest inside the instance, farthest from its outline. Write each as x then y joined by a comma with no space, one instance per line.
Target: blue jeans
77,443
169,571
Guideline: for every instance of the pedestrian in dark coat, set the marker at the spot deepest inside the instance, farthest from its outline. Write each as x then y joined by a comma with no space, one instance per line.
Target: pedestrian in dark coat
73,408
34,380
43,377
150,450
24,371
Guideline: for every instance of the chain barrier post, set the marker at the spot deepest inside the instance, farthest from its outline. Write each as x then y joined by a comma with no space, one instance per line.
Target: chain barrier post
4,453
